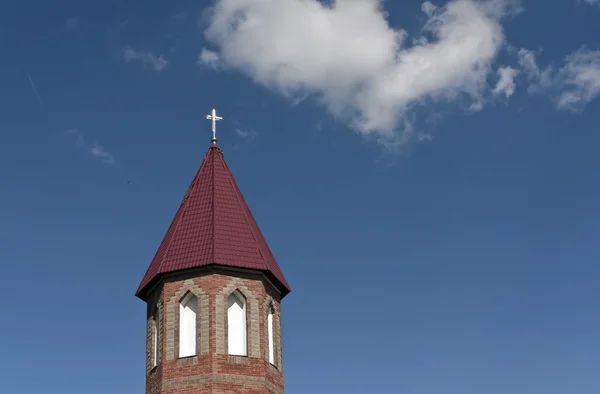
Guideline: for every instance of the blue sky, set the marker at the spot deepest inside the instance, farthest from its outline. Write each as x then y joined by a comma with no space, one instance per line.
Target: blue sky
427,181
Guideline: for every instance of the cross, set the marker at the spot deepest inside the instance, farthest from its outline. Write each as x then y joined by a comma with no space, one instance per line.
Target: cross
214,119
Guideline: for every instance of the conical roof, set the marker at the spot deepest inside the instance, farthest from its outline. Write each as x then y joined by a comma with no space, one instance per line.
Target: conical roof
213,226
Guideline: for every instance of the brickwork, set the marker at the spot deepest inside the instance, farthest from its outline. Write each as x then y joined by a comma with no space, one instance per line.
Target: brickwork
212,370
220,384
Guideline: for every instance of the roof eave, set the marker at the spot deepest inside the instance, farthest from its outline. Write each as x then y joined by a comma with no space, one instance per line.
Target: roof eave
283,288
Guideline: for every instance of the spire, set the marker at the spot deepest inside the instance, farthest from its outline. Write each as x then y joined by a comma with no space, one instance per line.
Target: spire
213,226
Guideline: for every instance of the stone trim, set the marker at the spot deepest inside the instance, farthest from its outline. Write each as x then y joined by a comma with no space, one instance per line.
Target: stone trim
278,336
172,320
154,307
273,388
159,331
155,389
221,378
149,342
273,369
252,318
154,317
192,360
238,360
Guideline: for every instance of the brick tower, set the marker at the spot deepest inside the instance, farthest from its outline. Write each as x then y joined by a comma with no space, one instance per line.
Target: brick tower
213,293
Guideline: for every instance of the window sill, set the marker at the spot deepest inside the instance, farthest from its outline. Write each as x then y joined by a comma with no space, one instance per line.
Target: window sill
187,360
238,359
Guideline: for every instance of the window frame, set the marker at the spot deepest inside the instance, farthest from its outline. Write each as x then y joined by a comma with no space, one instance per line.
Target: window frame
271,334
244,321
191,342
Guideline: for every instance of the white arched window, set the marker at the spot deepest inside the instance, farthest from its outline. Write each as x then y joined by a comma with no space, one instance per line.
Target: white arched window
154,341
188,309
236,324
270,334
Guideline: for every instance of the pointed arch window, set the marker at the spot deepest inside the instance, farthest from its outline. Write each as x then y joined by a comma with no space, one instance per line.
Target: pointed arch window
188,311
270,334
236,324
154,340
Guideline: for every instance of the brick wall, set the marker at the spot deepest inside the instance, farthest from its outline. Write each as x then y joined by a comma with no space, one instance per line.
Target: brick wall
212,370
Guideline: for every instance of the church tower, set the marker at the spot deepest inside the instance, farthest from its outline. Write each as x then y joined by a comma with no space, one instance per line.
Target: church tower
213,293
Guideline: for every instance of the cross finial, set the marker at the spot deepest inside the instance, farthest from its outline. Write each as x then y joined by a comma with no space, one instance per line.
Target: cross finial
214,119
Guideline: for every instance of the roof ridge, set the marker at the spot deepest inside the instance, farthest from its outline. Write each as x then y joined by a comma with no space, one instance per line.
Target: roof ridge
214,226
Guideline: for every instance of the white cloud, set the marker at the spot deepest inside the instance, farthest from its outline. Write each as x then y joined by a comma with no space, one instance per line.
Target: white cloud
428,8
96,150
539,79
579,79
506,81
349,56
148,59
208,58
592,2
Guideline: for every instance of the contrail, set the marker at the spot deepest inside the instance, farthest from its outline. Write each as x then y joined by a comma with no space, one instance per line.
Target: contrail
37,94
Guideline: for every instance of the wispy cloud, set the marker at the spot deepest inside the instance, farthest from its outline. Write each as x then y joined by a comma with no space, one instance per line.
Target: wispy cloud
148,59
79,142
208,58
579,79
248,135
573,85
539,79
72,23
96,150
35,91
592,2
506,81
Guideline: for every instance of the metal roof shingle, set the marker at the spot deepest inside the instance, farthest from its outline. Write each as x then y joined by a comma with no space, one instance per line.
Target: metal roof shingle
213,226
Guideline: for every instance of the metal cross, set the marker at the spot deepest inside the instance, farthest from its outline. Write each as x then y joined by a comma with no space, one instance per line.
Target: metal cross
214,119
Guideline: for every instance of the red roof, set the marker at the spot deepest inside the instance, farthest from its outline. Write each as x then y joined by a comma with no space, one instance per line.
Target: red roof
213,226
